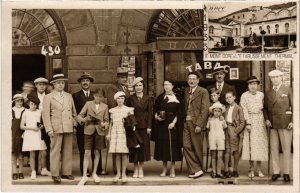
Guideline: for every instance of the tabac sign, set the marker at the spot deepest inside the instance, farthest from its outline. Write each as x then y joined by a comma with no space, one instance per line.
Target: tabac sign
173,43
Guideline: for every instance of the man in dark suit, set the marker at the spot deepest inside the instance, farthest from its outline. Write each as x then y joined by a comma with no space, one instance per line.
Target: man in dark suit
80,98
196,103
279,118
221,85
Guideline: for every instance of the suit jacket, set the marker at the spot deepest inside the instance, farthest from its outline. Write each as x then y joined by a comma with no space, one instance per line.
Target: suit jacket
199,106
142,110
226,88
59,113
238,119
111,91
89,110
278,107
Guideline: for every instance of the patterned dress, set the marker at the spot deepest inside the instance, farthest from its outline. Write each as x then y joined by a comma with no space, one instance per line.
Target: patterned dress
252,105
117,134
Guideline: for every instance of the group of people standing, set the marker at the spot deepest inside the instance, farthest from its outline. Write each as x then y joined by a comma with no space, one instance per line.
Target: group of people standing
207,127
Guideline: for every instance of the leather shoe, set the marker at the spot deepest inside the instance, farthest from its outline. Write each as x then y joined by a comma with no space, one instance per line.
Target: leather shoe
21,176
228,174
56,179
235,174
15,176
68,177
275,177
220,176
198,174
286,178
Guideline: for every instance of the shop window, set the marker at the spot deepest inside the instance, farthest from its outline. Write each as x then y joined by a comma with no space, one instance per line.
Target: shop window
276,28
287,26
211,29
268,29
57,66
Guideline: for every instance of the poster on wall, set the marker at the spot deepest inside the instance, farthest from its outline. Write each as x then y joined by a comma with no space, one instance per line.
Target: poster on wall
285,67
129,63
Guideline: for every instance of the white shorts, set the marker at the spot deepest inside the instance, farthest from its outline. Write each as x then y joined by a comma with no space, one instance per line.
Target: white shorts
216,143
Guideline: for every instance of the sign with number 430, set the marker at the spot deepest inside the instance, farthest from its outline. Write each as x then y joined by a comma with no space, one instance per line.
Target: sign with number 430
49,50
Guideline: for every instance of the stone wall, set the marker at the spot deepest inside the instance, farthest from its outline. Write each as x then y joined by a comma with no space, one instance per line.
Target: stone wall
96,41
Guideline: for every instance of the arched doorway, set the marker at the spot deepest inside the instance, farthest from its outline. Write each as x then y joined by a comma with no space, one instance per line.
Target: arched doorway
33,30
177,34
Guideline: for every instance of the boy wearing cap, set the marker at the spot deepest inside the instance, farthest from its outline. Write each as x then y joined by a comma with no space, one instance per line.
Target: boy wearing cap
59,117
96,118
279,118
235,120
216,127
43,157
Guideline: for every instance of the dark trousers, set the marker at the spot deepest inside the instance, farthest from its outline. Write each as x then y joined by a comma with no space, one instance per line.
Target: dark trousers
80,144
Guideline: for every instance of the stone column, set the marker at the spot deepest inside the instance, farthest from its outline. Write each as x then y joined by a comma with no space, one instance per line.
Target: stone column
159,71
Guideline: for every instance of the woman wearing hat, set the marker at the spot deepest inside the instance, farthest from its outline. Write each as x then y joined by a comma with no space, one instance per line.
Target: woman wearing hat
167,130
17,112
31,123
252,103
117,135
143,112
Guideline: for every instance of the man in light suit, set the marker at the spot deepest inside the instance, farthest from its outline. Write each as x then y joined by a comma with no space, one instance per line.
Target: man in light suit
96,118
196,100
278,115
59,116
80,98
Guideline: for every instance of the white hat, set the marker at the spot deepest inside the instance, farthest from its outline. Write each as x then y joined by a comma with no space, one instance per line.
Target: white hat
137,80
17,97
275,73
118,94
217,105
58,77
40,79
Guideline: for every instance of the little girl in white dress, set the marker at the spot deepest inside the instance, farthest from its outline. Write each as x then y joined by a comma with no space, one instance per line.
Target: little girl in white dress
30,122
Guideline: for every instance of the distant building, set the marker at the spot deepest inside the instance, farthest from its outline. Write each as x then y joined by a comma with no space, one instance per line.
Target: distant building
280,26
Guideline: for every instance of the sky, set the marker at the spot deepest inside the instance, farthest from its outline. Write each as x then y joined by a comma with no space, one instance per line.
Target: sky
232,7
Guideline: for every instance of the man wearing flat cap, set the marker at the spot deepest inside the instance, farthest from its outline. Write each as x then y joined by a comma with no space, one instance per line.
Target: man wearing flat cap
80,98
41,85
120,85
59,117
221,85
279,118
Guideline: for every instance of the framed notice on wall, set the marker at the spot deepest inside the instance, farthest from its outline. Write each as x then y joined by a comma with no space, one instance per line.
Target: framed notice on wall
129,63
285,67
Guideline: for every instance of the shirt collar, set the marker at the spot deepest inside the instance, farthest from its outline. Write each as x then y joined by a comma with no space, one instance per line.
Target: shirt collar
217,84
193,89
277,87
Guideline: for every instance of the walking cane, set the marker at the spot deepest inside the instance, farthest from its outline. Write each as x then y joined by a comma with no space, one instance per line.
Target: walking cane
207,151
269,153
105,165
249,132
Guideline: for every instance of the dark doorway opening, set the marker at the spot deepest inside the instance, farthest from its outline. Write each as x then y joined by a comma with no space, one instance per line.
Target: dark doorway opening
26,67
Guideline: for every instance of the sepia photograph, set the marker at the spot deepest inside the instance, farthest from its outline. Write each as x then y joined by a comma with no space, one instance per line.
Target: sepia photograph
257,28
125,98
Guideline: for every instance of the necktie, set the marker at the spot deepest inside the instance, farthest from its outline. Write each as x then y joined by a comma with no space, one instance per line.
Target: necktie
219,87
87,94
139,98
275,88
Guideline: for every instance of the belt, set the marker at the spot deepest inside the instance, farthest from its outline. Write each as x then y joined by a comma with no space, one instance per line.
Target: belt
93,122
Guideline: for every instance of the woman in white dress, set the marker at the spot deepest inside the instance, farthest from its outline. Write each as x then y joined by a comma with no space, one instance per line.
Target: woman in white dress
117,135
252,104
30,122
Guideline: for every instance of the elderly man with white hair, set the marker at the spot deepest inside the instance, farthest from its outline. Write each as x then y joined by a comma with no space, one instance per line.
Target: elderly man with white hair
278,115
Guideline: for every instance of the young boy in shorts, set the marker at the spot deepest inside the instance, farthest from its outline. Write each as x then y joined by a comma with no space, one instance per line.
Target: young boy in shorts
235,120
95,116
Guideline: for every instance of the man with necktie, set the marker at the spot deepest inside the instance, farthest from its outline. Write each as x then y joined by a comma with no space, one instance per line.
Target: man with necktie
59,118
221,85
278,114
196,100
80,98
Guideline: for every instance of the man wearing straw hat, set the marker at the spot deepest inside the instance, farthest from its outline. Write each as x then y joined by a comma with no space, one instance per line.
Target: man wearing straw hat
279,118
59,115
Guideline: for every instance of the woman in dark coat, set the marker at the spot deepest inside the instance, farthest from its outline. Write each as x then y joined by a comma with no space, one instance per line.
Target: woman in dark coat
168,122
143,113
